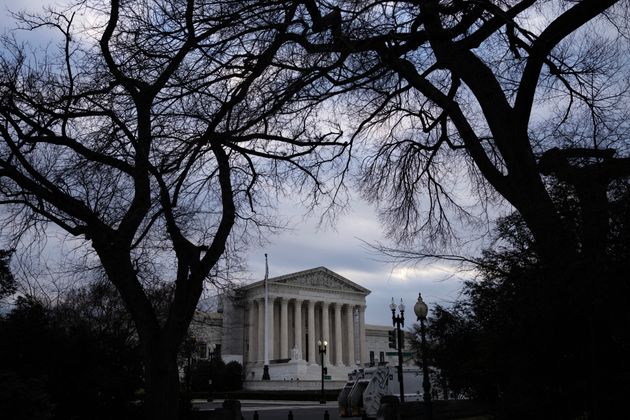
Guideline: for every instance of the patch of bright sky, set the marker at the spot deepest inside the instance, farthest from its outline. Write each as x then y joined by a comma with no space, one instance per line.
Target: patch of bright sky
8,24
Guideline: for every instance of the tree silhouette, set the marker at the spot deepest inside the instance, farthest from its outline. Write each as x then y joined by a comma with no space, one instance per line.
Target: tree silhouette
515,92
501,99
79,359
516,341
153,132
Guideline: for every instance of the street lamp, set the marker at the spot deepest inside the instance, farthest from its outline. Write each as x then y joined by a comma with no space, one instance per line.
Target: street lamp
399,321
322,352
421,309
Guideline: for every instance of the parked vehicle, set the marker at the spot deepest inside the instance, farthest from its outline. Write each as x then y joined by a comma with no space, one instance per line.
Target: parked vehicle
365,387
342,399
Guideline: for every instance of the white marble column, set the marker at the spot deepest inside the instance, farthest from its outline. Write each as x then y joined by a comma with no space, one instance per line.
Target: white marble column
270,324
350,331
261,330
297,318
284,328
338,336
311,332
251,333
362,344
326,331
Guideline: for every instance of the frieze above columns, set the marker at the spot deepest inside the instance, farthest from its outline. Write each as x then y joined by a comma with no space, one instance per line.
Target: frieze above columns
319,281
322,284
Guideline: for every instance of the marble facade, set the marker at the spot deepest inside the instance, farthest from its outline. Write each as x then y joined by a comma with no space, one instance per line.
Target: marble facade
304,308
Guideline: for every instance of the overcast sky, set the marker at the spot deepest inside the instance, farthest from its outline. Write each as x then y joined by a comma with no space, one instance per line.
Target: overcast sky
341,249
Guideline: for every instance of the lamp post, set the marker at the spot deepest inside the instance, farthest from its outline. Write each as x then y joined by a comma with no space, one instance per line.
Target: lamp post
421,309
322,352
399,321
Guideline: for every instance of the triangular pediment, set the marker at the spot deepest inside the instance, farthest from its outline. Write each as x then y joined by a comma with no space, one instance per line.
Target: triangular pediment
321,278
316,278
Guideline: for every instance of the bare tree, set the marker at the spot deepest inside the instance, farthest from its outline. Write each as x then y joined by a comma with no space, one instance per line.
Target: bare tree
516,91
155,130
521,95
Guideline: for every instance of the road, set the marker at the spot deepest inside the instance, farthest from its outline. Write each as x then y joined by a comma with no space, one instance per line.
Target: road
279,410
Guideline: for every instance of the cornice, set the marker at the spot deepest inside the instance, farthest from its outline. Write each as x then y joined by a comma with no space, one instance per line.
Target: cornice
300,280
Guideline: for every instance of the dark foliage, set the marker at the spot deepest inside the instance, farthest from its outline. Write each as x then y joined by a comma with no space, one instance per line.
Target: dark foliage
537,342
57,364
24,398
216,376
233,378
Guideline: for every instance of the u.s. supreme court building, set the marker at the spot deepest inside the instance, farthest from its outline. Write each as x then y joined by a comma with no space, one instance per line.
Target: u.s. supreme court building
304,308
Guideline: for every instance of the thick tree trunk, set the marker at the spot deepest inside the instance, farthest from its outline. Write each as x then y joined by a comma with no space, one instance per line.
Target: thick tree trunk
159,354
556,245
575,265
161,385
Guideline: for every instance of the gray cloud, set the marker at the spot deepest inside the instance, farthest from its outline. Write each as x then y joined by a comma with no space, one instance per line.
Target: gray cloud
342,250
